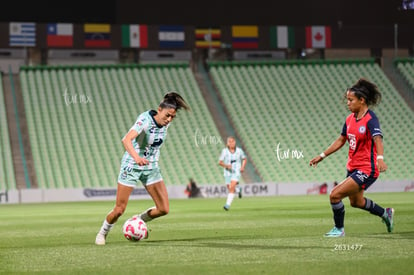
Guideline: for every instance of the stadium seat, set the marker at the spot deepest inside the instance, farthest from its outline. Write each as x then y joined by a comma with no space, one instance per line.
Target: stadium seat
7,177
300,107
77,116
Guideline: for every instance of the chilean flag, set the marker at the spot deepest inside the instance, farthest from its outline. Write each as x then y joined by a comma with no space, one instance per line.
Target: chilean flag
59,35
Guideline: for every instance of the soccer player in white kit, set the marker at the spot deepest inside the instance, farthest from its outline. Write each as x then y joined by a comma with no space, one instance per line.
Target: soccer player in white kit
140,163
233,160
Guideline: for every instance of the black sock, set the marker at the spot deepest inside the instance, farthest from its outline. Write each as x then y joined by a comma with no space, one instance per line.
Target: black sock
373,208
338,214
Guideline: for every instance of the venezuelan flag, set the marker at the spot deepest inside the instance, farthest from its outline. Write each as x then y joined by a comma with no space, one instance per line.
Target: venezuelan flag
97,35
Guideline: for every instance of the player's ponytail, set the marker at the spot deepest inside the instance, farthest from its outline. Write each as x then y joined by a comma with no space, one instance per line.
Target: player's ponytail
174,101
368,90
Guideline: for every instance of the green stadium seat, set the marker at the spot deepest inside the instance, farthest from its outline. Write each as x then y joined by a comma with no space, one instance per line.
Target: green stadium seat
82,140
7,177
300,106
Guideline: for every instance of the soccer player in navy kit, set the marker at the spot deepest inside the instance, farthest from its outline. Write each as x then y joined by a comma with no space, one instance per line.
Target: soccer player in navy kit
365,157
140,163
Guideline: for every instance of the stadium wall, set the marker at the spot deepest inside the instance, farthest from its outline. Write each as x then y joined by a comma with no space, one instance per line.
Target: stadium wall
178,192
341,36
368,12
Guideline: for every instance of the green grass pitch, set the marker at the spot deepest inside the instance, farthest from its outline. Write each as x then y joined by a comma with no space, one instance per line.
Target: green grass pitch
259,235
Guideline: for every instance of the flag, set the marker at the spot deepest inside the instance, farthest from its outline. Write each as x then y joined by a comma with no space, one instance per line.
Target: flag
171,36
22,34
59,35
318,37
134,36
282,37
207,38
245,37
97,35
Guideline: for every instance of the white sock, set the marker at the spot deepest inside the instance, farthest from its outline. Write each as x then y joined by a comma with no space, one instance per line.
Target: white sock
144,215
230,198
106,227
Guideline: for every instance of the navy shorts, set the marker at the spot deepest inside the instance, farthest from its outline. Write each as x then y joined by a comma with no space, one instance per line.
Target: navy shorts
362,179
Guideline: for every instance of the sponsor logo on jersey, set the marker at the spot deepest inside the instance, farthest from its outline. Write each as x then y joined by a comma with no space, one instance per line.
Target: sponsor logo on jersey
352,141
124,175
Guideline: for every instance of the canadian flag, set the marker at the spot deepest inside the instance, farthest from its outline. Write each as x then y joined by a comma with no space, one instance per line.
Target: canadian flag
318,37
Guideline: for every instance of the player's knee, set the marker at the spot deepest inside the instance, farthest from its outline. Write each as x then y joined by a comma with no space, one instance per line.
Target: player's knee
334,197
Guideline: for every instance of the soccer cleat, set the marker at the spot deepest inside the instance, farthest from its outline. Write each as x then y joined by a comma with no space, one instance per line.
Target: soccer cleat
240,193
389,219
100,239
226,207
335,233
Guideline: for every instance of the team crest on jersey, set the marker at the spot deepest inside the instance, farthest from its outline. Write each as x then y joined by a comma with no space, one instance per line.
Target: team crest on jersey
362,129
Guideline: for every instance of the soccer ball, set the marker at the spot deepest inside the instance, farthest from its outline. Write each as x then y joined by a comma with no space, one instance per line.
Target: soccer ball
135,229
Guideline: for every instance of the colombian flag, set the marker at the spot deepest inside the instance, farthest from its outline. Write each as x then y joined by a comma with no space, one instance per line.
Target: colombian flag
245,37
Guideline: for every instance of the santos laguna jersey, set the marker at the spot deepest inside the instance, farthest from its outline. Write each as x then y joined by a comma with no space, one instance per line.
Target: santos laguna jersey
360,133
148,143
235,159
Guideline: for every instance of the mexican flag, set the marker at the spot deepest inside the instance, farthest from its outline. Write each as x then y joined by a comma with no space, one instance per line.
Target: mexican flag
134,36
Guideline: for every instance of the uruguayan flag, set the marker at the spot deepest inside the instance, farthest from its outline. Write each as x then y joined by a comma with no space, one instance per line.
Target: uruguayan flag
22,34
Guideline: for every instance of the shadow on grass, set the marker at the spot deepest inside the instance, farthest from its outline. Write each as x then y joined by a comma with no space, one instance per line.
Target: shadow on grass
215,242
409,235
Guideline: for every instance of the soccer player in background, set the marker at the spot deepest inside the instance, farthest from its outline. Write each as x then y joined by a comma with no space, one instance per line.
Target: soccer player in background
140,163
365,157
233,160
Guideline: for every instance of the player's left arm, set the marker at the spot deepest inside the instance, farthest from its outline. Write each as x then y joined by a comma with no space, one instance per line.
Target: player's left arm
244,161
380,153
375,129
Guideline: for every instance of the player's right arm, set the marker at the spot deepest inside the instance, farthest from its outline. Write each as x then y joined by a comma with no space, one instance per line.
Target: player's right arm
221,160
222,164
129,147
335,146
